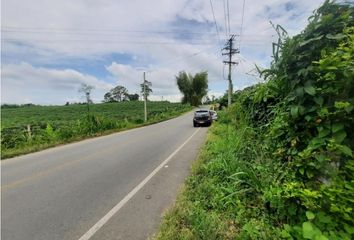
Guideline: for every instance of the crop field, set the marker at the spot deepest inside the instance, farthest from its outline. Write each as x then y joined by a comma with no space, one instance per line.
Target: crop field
22,116
30,128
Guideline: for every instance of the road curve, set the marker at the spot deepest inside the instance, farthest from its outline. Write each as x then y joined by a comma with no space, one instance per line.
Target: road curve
64,192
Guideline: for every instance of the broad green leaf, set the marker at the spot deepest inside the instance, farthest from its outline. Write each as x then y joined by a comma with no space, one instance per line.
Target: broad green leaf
287,227
317,141
336,127
339,136
311,109
338,36
346,150
310,215
301,110
294,111
331,68
299,92
302,71
308,118
318,100
349,109
310,40
321,237
307,230
341,105
323,218
323,112
310,90
324,132
320,157
349,229
309,173
285,234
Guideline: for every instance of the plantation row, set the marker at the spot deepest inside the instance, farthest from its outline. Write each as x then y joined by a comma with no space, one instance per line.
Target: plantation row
32,128
279,163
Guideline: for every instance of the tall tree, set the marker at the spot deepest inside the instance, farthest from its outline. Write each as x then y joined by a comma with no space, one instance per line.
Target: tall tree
108,97
119,93
145,91
116,94
86,90
193,88
133,97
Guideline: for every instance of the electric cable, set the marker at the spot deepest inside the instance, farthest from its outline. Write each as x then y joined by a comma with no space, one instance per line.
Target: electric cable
216,25
243,14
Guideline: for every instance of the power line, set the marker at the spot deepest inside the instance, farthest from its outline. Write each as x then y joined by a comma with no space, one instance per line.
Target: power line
94,31
216,25
225,18
99,41
25,31
83,42
243,13
228,15
178,59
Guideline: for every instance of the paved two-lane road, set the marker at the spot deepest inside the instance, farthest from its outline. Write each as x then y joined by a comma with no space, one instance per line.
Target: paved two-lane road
112,187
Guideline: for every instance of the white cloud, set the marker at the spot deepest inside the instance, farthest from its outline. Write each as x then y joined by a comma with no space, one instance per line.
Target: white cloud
25,83
162,37
163,80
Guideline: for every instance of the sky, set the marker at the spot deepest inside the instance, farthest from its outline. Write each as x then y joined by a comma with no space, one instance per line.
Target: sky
49,48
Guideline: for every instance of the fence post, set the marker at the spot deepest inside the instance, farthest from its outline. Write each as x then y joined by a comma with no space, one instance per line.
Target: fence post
29,132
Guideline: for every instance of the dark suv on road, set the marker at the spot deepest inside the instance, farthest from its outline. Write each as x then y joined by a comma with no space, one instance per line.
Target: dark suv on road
202,117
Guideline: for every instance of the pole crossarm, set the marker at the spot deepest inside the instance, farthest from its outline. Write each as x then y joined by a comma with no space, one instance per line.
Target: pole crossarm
228,62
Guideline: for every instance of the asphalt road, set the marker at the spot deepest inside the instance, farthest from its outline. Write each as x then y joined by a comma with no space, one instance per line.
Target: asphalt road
111,187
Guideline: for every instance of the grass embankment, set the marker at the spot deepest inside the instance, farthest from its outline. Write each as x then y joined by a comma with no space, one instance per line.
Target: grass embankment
279,164
54,125
221,199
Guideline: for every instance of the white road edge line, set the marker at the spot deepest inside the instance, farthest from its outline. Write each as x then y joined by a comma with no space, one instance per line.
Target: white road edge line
117,207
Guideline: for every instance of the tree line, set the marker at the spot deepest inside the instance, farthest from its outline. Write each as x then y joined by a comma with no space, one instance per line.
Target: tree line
193,88
120,93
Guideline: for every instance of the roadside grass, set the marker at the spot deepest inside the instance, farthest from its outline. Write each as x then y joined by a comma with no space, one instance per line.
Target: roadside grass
57,125
188,218
222,199
279,164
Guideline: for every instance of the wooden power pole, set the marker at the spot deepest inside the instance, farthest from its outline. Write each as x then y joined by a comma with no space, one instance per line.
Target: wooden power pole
145,98
229,52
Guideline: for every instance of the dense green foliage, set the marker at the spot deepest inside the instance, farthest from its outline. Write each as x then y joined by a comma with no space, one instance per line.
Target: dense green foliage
51,125
279,164
193,88
116,94
146,89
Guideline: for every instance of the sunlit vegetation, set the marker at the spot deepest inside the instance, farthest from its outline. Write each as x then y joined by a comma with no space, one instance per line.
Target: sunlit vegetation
30,128
279,163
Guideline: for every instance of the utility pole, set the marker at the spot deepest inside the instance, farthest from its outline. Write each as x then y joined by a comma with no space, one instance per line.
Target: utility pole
145,98
230,51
